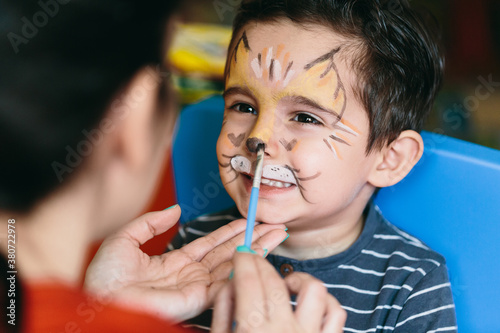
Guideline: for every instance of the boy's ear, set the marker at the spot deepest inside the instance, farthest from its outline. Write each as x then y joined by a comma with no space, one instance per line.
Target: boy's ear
397,159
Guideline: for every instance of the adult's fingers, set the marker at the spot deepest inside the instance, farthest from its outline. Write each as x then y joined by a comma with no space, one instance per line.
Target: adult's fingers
222,317
316,310
219,278
198,248
225,239
335,317
261,294
248,286
147,226
311,300
265,237
264,241
219,263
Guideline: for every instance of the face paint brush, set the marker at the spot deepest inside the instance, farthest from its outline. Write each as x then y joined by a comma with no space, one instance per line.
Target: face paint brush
254,196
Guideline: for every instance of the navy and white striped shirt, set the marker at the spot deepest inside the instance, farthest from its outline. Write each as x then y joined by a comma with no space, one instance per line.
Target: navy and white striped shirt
387,281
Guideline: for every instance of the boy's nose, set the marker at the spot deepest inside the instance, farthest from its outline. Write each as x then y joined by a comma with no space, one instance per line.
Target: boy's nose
263,132
253,144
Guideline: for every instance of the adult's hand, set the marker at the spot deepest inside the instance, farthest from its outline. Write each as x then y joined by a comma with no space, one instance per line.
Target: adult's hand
258,300
176,285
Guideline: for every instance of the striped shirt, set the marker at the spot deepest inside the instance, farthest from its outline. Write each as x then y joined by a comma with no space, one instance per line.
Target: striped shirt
387,281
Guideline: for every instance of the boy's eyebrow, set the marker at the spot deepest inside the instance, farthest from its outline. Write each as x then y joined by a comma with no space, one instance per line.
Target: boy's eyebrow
309,102
237,91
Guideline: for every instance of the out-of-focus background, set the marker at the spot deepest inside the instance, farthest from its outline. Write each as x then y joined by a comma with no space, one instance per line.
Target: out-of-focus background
468,106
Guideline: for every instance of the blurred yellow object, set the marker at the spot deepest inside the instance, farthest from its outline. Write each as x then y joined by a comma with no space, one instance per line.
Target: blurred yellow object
193,89
199,50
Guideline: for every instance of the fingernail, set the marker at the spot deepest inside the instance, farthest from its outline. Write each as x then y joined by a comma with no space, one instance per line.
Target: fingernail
287,235
245,249
265,252
171,207
231,275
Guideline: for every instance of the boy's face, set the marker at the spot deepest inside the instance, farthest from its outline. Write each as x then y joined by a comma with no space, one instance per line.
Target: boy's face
291,88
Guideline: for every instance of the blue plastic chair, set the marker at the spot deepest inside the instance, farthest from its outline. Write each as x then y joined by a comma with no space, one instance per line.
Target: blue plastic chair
199,189
450,200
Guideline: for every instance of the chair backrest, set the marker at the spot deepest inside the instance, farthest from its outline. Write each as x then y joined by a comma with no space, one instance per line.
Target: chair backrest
450,200
198,187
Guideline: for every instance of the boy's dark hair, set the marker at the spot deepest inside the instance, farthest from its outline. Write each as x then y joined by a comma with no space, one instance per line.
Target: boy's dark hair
61,63
399,60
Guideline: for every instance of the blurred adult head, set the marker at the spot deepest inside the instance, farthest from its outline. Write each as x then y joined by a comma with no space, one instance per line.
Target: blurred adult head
82,86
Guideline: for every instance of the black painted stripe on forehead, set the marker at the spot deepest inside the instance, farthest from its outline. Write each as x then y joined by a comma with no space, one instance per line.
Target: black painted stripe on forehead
324,57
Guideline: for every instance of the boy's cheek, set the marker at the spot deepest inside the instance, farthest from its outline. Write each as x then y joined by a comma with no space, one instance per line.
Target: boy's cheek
231,140
224,143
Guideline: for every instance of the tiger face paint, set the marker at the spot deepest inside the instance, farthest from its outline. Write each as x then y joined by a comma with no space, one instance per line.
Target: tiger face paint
272,72
290,88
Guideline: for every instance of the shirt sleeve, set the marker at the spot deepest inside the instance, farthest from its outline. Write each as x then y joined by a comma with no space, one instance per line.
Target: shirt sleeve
429,307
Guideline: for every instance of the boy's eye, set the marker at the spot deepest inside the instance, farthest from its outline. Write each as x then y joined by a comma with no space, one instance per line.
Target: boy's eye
245,108
306,118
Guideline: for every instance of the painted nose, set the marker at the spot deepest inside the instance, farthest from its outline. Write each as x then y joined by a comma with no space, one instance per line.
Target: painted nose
262,131
254,143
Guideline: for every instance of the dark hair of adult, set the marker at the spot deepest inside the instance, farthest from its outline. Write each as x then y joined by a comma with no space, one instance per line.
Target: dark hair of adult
397,56
61,63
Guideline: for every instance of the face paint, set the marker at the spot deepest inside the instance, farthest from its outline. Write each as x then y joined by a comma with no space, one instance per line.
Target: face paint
236,140
289,145
269,172
271,73
287,87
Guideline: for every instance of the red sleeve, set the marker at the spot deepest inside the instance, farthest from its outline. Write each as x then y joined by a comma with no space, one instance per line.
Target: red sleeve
55,308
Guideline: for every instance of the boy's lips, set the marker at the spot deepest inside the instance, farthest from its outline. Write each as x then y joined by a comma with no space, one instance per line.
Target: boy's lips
272,175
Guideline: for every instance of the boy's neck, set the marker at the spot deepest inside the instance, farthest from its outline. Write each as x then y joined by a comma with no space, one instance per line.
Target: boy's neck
321,242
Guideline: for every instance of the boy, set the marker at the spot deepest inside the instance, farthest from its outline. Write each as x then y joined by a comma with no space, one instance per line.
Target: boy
337,92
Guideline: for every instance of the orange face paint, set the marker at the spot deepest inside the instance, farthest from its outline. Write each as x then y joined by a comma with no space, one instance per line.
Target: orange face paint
270,76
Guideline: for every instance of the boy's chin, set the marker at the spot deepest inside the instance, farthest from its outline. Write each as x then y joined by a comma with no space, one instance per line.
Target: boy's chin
265,215
271,218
